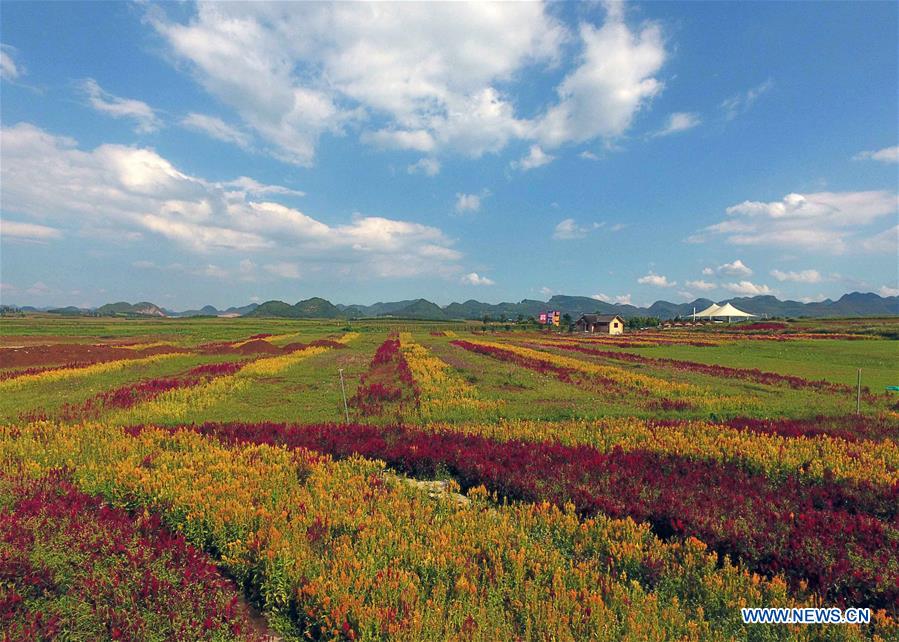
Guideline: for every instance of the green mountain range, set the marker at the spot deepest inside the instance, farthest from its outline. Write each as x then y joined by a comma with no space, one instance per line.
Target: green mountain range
856,304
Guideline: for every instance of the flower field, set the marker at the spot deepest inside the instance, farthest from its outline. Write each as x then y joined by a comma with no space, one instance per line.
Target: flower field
199,481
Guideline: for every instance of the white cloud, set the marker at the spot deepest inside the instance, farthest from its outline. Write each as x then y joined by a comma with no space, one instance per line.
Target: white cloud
885,155
27,231
823,221
244,185
588,155
545,291
135,190
284,269
426,166
216,128
886,290
742,102
685,295
656,280
473,278
736,268
621,299
422,76
748,288
467,203
295,71
568,229
885,242
803,276
679,122
9,70
535,157
103,101
613,81
708,271
704,286
419,140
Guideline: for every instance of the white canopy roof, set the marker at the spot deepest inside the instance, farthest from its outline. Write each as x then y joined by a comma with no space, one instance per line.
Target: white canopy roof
727,310
709,311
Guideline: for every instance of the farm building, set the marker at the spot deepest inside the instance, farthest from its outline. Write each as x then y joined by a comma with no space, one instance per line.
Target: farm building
600,323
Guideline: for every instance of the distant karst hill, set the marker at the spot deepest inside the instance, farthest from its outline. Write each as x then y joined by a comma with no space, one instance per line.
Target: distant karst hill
855,304
123,308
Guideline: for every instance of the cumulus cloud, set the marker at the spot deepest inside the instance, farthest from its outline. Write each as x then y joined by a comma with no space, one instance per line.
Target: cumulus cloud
742,102
748,288
432,77
735,268
133,189
885,155
613,80
656,280
887,290
823,221
679,122
568,229
144,116
535,157
216,128
704,286
802,276
621,299
467,203
426,166
473,278
9,69
27,231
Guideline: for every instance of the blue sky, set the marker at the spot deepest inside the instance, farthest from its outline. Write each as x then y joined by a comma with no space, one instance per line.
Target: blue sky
190,154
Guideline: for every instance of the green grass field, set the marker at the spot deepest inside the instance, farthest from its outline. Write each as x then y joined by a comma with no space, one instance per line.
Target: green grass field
309,390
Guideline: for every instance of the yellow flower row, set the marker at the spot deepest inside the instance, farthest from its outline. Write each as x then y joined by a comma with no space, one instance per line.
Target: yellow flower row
774,455
273,365
59,374
145,346
358,554
439,387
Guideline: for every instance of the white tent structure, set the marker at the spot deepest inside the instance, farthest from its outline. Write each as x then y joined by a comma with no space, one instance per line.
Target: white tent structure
707,313
726,310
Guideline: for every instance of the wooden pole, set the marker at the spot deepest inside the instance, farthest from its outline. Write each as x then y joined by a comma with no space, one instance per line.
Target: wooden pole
858,393
346,410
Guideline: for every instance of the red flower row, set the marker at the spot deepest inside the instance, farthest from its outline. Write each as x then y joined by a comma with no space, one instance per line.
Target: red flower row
142,391
839,536
848,427
388,382
71,564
